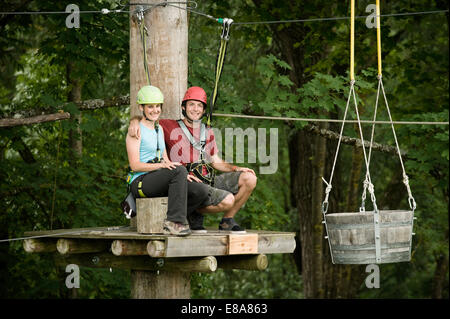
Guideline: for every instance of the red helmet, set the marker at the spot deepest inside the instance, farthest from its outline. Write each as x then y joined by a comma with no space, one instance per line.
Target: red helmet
195,93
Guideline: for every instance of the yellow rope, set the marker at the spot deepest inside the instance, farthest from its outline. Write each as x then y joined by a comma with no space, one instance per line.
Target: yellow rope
378,37
352,40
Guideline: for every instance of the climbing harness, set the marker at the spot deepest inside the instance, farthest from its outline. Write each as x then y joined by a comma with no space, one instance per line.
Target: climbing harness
202,169
129,203
224,37
367,185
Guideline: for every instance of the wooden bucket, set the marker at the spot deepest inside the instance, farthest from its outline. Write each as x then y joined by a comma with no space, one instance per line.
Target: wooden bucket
352,236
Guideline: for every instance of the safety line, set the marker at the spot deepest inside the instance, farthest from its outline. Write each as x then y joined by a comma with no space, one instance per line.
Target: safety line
103,11
259,117
107,11
340,18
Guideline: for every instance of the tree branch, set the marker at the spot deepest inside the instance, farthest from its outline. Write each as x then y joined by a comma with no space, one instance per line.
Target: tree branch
32,117
9,122
331,135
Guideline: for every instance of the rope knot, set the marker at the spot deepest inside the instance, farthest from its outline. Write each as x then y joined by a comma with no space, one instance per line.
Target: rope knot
329,186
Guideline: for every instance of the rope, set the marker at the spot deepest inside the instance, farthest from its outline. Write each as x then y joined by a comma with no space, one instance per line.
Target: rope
107,11
329,184
367,183
56,173
378,36
260,117
225,36
139,18
339,18
412,202
352,41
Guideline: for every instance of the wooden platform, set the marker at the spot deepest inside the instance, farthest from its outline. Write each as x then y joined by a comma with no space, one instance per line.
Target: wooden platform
213,243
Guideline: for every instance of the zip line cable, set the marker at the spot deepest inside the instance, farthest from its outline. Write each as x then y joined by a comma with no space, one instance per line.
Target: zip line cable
340,18
259,117
191,9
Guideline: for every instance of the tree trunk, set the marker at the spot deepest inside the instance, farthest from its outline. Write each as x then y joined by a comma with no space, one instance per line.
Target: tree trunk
75,135
439,279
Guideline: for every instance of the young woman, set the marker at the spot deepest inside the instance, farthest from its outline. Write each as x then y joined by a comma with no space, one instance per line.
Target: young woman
153,174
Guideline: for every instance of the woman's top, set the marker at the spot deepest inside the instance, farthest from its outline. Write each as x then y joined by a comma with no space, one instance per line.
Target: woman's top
147,149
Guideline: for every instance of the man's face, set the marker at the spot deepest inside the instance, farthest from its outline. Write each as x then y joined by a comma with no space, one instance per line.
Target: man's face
194,110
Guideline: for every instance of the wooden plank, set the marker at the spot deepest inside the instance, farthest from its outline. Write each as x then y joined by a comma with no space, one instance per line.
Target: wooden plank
196,246
242,244
210,244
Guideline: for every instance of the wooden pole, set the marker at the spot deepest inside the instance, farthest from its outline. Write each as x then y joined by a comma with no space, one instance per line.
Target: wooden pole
81,246
167,45
129,247
106,260
245,262
44,245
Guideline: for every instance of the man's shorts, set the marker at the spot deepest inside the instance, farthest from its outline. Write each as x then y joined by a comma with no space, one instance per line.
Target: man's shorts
224,184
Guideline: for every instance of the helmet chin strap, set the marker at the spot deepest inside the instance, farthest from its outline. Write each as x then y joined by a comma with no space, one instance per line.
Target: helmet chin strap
148,118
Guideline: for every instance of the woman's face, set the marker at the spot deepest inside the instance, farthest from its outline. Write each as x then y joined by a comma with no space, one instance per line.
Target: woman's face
152,111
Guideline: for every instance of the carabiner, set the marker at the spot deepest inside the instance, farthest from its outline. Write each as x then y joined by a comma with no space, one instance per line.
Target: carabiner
226,29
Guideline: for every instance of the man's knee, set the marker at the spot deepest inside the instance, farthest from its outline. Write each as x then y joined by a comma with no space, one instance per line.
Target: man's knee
249,180
227,202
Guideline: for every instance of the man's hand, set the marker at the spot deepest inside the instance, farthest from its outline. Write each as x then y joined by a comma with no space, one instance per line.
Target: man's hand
192,178
243,169
133,129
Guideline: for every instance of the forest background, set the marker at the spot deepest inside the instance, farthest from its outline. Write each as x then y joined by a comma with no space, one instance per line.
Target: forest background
71,173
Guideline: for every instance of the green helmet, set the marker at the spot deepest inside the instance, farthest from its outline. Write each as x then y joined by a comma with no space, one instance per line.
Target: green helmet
150,95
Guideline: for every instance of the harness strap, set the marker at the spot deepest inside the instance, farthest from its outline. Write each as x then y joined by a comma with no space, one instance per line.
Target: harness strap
198,145
224,37
197,167
140,192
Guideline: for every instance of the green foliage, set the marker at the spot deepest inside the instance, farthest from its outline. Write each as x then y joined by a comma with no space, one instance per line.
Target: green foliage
43,185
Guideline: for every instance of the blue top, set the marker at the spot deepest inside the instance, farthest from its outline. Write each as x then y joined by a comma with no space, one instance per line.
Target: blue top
147,149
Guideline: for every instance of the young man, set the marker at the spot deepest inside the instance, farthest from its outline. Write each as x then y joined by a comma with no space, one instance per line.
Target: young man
190,144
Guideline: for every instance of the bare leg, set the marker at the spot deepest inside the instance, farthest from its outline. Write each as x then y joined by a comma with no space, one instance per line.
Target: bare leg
231,204
247,183
224,205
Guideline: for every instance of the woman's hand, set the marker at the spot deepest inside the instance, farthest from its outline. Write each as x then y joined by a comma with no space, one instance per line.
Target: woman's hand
170,165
